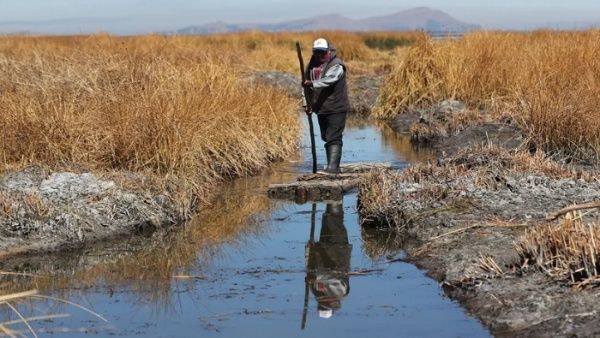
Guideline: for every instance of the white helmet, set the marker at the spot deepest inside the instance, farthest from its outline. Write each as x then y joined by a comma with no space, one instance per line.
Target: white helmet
321,44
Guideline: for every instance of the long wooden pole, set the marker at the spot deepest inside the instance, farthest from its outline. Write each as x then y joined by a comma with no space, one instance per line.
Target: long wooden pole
311,240
307,95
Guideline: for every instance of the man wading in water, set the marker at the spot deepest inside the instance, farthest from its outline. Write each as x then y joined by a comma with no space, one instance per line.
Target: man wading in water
326,78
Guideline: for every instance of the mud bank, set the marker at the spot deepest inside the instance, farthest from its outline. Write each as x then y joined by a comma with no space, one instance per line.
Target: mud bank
50,211
462,216
449,126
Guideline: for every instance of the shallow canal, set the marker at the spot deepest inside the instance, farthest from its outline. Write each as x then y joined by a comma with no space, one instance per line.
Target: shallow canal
250,267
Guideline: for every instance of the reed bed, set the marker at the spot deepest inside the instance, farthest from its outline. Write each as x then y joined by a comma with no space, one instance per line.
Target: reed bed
175,107
548,81
176,111
568,250
152,104
363,53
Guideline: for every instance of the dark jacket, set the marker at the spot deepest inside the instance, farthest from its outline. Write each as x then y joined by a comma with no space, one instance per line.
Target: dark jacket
332,99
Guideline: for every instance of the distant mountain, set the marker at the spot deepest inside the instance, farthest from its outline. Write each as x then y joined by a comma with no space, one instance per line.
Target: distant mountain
421,18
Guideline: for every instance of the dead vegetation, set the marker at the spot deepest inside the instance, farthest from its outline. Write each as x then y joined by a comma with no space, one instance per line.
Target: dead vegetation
567,250
547,81
155,105
398,199
364,53
174,107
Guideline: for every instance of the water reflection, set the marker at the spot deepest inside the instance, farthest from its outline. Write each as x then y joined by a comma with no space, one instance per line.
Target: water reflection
328,262
239,266
401,144
379,242
145,264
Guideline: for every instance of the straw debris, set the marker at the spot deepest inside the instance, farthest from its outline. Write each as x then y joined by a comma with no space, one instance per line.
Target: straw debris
567,250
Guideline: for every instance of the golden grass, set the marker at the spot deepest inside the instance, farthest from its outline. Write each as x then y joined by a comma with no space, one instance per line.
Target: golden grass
378,193
277,51
176,111
150,104
549,81
175,107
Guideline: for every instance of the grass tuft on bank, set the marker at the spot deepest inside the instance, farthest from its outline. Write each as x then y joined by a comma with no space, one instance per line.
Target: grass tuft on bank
567,250
402,200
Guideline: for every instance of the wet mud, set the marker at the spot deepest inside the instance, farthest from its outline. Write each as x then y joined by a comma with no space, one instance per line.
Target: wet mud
462,220
448,127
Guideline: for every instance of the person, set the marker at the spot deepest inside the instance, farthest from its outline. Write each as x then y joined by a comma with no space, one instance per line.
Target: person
326,78
328,262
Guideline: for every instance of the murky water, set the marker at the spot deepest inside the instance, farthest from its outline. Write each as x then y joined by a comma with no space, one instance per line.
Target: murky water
250,267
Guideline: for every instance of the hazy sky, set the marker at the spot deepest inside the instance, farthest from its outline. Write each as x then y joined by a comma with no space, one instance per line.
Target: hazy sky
138,16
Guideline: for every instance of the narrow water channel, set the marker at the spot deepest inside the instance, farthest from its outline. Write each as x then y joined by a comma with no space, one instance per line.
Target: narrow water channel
251,267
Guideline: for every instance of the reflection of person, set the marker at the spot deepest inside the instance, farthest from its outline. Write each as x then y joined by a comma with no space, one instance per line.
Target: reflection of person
326,78
329,262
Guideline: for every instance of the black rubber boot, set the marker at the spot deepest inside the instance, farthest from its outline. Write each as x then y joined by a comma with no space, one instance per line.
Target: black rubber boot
335,155
328,154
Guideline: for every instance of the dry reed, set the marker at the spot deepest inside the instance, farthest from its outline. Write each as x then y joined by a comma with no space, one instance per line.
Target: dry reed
151,104
11,328
174,107
549,81
567,250
394,198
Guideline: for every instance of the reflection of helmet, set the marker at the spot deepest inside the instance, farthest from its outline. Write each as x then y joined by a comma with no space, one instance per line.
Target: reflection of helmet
325,313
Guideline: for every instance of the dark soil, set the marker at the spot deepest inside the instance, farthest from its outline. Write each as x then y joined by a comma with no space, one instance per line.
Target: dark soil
511,305
483,204
433,128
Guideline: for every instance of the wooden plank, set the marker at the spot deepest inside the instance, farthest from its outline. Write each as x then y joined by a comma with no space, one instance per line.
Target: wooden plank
321,186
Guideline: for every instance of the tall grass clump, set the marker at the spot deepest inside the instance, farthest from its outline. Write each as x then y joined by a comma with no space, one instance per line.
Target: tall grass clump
164,106
549,81
567,250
